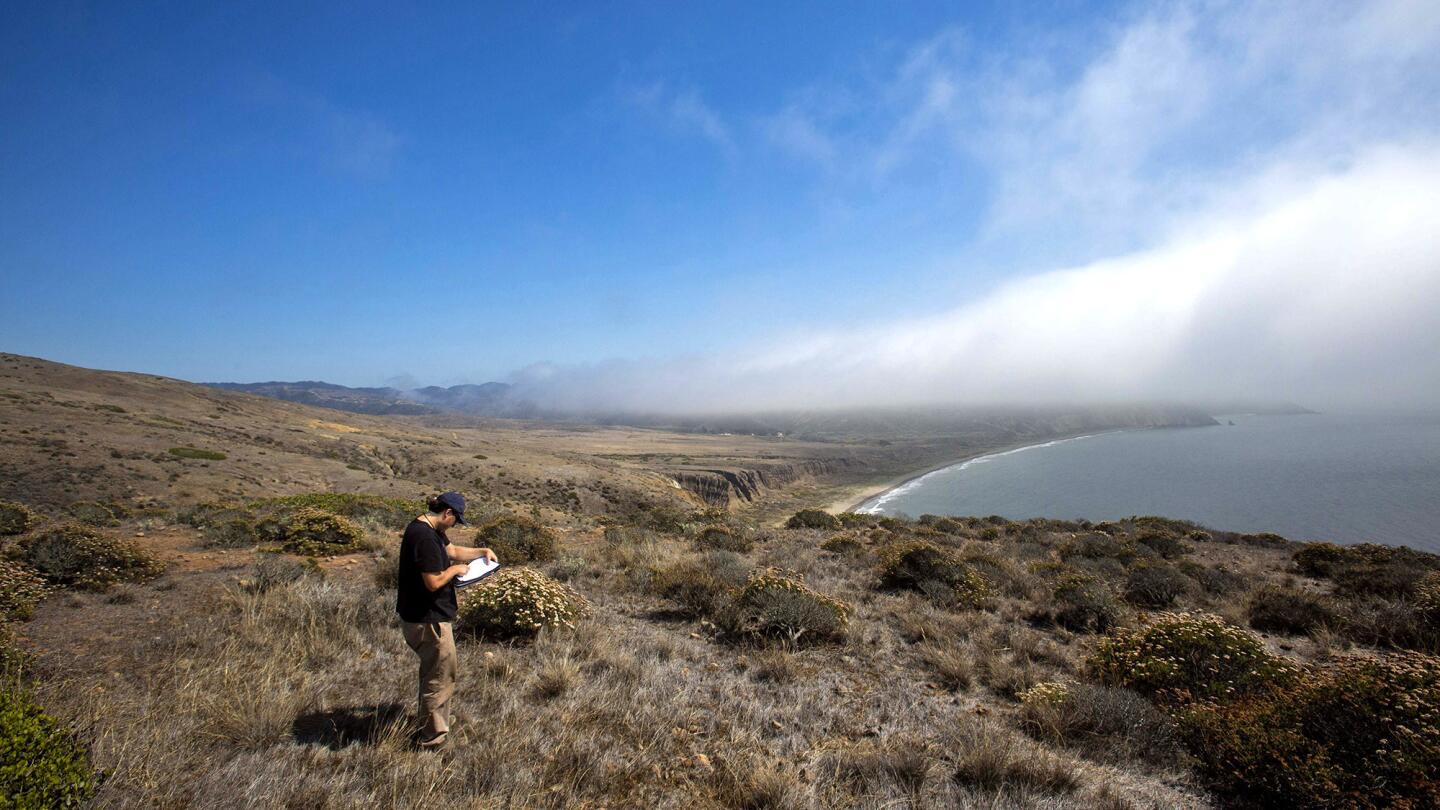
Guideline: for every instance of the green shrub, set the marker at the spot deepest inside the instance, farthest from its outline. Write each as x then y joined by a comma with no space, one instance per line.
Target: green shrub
1155,585
1276,609
843,544
1390,579
1096,546
1427,597
308,530
520,602
1082,604
778,603
69,554
16,518
516,539
813,519
93,514
354,505
703,586
1363,732
723,538
196,453
1318,559
1396,624
274,571
1182,656
21,589
1215,580
41,765
935,572
855,520
1107,723
1166,545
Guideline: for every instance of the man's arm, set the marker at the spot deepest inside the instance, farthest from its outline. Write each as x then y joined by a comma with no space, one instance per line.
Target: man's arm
437,580
466,553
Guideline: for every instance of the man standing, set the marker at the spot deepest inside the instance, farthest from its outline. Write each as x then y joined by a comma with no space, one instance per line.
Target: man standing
425,600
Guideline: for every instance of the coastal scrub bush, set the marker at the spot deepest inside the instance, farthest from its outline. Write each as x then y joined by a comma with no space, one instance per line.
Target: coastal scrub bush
1215,580
1277,609
70,554
92,513
1155,585
16,518
1318,559
1105,722
813,519
774,602
937,573
516,539
855,520
354,505
274,571
723,538
1082,604
703,586
41,764
1166,545
1096,546
1362,732
1427,597
520,602
1189,656
842,544
308,530
196,453
21,589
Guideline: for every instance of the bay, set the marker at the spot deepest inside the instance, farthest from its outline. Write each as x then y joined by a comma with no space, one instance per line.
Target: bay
1346,478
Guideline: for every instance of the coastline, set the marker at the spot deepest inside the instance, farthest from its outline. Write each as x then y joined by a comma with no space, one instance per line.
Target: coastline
853,501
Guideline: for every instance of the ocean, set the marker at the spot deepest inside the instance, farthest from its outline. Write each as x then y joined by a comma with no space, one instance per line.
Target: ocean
1342,478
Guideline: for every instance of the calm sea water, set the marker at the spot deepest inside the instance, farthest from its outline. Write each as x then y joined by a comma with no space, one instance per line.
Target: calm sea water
1344,478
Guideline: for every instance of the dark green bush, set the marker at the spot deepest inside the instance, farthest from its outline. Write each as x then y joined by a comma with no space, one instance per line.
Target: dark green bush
69,554
1083,604
354,505
1184,656
855,520
196,453
274,571
93,514
16,518
1106,723
21,589
1388,623
937,573
1392,579
703,586
813,519
308,530
1096,545
1166,545
843,544
1215,580
41,765
1277,609
1155,585
776,603
516,539
723,538
1318,559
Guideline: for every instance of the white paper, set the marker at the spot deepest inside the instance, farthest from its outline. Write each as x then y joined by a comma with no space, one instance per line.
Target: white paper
478,568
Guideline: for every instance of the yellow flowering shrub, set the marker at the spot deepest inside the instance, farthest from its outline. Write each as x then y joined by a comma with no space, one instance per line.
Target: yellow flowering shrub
70,554
21,588
1189,656
15,518
311,530
520,602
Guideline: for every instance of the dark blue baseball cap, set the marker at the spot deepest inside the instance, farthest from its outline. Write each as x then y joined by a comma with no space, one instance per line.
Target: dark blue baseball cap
455,501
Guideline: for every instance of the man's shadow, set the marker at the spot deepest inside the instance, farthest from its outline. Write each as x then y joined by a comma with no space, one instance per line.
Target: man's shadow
337,728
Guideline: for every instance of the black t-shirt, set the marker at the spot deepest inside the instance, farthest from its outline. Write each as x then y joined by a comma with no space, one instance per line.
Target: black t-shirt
423,549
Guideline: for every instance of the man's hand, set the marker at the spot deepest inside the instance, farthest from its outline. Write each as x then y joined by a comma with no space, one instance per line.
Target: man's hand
488,555
437,581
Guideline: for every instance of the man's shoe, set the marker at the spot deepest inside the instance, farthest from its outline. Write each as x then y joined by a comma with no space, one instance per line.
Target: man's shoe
432,743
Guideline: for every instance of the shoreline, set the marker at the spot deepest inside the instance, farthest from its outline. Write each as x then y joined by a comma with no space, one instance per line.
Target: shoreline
852,502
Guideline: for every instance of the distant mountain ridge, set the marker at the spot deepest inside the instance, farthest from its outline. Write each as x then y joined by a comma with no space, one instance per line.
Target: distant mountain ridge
485,399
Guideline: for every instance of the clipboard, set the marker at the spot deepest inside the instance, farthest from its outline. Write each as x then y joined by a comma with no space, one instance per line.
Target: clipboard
478,570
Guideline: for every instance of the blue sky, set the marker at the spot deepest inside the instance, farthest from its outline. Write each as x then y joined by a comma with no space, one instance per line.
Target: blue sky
455,194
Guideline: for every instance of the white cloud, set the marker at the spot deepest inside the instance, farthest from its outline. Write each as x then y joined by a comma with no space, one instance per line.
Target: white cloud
685,112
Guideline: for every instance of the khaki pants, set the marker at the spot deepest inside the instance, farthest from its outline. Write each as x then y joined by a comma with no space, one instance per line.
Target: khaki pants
435,644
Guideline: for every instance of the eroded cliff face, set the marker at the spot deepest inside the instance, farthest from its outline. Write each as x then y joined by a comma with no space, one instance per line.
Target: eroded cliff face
722,488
